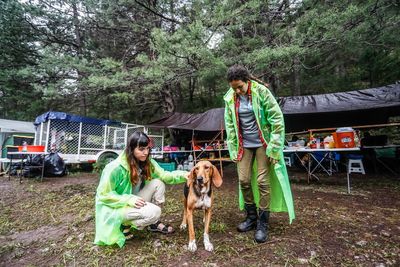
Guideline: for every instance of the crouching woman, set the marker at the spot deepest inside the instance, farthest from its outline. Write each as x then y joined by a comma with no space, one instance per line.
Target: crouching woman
131,193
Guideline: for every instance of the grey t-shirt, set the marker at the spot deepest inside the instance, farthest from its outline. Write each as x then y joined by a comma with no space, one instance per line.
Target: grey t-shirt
248,123
136,188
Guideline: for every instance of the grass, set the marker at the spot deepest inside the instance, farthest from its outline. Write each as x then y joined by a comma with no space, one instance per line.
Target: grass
52,224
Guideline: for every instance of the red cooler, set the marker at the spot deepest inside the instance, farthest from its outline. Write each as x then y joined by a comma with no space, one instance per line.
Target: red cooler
344,138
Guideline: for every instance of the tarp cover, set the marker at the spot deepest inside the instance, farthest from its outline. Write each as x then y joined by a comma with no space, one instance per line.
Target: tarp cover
353,108
54,115
211,120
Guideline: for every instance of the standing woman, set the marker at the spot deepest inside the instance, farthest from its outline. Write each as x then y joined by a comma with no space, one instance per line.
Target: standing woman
255,136
131,192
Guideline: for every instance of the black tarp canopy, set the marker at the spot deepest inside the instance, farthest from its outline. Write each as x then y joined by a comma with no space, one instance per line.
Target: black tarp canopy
361,107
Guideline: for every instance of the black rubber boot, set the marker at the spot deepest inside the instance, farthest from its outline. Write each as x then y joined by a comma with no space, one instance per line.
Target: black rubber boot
261,234
251,219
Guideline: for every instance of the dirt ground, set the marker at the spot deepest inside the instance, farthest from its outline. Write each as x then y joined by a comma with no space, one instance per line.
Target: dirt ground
52,223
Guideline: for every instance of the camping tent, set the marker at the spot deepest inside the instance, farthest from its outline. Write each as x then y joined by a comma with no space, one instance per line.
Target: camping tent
361,107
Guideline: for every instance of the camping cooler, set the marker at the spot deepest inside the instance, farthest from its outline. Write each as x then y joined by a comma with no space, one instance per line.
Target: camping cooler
344,138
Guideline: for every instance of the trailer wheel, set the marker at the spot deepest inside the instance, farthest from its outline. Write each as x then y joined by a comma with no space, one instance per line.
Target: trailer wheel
107,157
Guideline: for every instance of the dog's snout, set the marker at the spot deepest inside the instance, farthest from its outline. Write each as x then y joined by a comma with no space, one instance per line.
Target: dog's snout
200,179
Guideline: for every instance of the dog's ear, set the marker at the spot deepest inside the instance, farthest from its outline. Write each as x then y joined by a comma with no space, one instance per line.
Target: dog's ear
190,177
216,177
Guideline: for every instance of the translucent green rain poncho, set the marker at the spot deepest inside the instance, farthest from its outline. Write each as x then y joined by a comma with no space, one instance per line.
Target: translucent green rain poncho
114,196
270,121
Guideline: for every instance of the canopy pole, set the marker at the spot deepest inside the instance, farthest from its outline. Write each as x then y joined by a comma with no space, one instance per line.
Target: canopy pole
219,150
193,148
357,127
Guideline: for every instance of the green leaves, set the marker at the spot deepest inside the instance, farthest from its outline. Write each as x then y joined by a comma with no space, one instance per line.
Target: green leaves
132,60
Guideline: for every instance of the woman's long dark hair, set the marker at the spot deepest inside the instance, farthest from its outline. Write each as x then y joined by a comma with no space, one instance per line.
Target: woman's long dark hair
138,139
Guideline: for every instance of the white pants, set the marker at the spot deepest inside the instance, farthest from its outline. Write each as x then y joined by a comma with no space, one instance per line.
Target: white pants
153,193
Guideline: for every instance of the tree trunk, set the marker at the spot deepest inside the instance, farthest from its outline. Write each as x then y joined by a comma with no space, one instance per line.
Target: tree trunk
190,89
79,52
180,96
168,104
296,77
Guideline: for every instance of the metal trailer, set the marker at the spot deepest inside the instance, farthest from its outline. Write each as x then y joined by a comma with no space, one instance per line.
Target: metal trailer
79,139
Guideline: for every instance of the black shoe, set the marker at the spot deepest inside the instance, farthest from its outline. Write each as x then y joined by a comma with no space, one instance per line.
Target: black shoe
251,219
261,234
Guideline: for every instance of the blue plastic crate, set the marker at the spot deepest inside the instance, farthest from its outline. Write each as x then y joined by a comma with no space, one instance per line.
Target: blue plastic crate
168,166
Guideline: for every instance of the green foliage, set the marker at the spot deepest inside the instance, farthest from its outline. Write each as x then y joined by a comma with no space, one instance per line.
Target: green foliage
134,60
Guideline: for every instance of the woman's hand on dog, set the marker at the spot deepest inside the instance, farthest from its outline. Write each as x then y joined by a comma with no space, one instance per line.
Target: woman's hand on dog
187,175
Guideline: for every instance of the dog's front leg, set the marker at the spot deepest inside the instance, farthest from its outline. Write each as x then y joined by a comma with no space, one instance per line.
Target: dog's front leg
184,219
192,241
207,218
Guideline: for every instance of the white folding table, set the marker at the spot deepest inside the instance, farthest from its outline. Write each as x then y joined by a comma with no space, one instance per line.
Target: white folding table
327,153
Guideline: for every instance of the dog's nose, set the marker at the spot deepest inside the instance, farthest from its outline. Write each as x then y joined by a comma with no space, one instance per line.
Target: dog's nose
200,179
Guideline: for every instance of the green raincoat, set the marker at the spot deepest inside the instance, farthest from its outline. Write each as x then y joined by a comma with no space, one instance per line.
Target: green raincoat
114,196
270,121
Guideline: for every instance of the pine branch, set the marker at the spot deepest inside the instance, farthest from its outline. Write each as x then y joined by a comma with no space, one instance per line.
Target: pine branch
156,13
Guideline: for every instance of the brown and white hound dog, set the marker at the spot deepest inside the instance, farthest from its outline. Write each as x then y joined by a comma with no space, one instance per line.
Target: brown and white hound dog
199,195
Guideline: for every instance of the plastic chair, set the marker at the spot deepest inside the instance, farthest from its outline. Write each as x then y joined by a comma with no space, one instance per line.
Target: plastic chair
354,165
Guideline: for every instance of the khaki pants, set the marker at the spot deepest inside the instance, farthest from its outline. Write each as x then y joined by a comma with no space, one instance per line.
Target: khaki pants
153,193
245,167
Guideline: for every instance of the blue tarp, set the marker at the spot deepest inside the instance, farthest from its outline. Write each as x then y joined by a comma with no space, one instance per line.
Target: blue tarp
55,115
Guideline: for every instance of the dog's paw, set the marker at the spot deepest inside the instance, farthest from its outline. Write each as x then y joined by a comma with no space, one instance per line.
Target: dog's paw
192,246
183,226
207,244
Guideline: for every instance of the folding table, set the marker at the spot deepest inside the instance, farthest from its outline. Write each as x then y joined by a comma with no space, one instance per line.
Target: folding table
26,156
327,153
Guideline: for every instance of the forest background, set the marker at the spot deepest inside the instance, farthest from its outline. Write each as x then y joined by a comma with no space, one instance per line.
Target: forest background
134,60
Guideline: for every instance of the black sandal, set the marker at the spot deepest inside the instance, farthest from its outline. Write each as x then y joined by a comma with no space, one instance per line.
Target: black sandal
126,230
165,230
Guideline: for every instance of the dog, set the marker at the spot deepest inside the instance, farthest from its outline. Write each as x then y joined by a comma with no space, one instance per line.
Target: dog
199,195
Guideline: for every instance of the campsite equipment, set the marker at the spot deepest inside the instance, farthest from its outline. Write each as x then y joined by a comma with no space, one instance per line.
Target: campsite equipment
190,165
344,137
13,133
24,147
168,166
318,143
28,148
15,140
80,139
185,165
313,142
54,165
329,142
